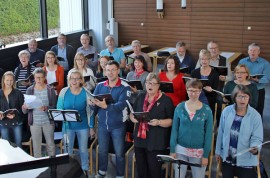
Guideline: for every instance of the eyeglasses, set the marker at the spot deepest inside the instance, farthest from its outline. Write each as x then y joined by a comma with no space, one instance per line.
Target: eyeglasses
39,78
240,97
80,59
240,73
75,79
194,91
151,83
112,70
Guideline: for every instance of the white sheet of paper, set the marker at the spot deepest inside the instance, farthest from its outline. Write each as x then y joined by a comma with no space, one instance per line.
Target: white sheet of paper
32,102
227,55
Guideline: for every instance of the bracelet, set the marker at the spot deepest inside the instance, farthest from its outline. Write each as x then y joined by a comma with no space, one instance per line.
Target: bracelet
159,122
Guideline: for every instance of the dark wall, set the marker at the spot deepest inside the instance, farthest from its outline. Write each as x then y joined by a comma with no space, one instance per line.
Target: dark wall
9,56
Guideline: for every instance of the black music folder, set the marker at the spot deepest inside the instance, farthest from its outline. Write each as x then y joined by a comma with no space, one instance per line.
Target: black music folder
184,69
205,82
139,116
30,78
107,96
134,83
166,87
54,84
64,115
89,56
10,111
259,76
222,70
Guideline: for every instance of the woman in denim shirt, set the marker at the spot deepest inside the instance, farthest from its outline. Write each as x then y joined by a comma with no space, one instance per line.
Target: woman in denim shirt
240,129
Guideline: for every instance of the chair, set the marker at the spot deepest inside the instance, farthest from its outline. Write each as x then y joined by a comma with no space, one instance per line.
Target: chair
165,165
27,140
29,143
215,115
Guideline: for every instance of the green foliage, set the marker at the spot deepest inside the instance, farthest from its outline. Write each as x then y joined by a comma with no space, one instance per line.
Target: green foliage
22,16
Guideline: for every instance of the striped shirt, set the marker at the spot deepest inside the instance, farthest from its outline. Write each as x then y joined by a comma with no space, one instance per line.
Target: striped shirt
22,76
41,117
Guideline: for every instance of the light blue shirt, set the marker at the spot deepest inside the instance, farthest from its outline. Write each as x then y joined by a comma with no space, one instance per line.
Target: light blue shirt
250,135
117,54
63,53
259,66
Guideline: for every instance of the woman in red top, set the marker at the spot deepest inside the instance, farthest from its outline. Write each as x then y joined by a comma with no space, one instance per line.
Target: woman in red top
55,72
171,74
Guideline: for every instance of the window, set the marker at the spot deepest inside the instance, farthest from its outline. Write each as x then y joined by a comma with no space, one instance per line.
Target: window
19,21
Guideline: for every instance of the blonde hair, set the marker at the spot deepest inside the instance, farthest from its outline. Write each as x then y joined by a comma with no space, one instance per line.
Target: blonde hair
8,73
54,55
76,72
79,54
204,52
238,68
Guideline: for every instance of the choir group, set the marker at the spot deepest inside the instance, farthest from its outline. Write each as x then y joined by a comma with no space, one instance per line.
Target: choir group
179,123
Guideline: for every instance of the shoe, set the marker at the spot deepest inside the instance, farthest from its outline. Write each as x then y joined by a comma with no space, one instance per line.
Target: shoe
85,174
99,176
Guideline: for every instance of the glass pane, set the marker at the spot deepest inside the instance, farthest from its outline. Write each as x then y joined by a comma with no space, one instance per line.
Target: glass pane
64,17
19,21
53,17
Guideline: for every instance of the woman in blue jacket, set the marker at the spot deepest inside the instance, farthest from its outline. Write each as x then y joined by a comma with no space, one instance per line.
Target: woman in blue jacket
75,97
240,129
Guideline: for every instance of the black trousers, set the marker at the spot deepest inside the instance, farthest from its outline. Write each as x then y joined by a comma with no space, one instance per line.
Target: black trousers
261,99
147,164
229,171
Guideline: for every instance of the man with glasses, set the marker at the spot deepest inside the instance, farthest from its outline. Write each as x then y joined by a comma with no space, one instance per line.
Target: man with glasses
257,65
117,54
111,119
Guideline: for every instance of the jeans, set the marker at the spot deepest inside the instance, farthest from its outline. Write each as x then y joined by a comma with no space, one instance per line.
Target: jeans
48,132
229,171
16,131
82,136
118,140
198,172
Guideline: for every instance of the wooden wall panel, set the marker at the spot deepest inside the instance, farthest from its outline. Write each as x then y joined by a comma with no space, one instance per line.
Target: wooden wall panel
225,21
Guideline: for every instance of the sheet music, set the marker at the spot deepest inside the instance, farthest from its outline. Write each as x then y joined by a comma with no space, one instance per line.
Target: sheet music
247,150
70,116
32,102
227,55
57,116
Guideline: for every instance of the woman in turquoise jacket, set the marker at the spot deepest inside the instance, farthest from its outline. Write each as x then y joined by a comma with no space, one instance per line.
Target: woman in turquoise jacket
191,135
240,129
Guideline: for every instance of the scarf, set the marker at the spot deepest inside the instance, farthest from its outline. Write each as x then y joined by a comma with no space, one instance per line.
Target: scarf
143,127
138,74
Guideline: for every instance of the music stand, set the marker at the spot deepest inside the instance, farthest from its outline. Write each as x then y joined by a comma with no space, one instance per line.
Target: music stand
65,116
179,162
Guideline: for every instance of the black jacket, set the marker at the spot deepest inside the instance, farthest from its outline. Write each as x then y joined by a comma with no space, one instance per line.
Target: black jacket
16,100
